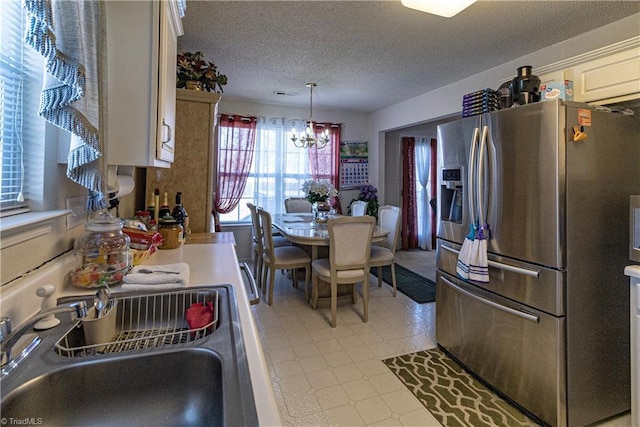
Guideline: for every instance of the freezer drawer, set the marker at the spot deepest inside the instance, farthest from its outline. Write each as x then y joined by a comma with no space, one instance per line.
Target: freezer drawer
532,285
517,350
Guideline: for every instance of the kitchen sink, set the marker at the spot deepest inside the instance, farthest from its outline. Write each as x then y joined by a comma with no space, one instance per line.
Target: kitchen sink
178,387
202,380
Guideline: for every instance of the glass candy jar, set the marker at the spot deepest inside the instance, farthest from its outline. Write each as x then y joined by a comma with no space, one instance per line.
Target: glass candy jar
102,253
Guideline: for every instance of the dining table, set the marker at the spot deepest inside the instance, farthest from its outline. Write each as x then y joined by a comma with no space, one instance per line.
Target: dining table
303,229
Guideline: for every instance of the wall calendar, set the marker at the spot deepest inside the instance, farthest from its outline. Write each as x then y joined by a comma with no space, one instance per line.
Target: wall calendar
354,164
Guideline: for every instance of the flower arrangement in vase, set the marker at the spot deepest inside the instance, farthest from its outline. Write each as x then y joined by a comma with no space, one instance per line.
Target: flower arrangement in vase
192,69
318,193
369,194
318,190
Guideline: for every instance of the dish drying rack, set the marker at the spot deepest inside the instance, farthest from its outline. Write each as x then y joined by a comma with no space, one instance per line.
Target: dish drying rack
146,321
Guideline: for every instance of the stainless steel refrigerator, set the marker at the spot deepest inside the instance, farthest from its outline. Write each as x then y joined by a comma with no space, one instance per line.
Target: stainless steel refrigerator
550,330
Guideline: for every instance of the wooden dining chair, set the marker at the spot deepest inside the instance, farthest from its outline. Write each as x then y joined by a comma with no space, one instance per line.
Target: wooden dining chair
348,262
359,208
257,245
280,258
384,252
297,205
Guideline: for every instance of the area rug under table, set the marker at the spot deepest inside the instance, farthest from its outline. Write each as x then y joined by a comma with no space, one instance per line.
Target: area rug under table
453,397
417,287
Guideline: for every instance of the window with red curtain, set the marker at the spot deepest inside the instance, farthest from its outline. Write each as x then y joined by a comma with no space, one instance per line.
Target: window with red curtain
325,162
236,145
279,168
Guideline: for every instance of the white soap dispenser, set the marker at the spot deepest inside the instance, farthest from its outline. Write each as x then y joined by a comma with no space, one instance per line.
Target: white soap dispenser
47,293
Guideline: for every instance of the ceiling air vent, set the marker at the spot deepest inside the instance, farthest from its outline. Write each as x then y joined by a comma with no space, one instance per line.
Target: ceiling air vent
282,93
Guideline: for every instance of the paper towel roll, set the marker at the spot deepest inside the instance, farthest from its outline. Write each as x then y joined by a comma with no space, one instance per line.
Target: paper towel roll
126,184
117,184
112,178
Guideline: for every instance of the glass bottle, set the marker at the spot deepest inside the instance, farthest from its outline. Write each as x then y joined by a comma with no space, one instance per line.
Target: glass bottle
165,209
156,201
151,207
179,213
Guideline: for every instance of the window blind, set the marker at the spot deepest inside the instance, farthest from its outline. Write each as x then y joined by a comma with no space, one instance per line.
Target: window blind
20,79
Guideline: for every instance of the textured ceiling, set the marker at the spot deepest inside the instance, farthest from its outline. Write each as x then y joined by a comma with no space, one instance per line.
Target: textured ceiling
367,55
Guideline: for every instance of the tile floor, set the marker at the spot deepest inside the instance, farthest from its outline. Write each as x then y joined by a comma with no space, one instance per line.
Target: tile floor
325,376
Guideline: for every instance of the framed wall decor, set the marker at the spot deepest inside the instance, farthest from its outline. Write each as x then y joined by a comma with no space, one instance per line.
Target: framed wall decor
354,164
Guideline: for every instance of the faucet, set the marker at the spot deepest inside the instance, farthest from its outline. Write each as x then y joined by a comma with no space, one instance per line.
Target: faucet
9,338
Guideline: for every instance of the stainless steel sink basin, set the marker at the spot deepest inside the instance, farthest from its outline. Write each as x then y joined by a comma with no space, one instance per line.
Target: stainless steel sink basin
205,381
170,388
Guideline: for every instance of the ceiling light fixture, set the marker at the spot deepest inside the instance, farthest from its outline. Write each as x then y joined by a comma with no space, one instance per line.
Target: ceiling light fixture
307,138
446,8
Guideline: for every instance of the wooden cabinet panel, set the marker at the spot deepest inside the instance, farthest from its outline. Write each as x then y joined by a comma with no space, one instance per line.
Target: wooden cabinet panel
192,171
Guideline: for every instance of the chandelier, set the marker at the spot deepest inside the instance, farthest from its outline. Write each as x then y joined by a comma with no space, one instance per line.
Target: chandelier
307,138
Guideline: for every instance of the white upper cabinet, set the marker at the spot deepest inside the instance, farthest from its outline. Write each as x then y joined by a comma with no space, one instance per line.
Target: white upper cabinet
603,76
141,82
613,76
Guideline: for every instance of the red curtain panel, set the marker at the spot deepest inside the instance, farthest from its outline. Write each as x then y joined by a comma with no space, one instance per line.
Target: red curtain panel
409,209
235,154
325,162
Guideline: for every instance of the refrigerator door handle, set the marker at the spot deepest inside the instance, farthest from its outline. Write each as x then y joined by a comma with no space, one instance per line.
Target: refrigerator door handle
500,265
482,216
517,313
470,176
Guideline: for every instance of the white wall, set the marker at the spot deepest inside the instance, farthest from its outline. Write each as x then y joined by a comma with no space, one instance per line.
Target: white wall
47,193
355,125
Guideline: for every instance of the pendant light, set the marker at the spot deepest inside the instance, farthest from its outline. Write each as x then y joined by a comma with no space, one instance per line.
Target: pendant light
307,138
